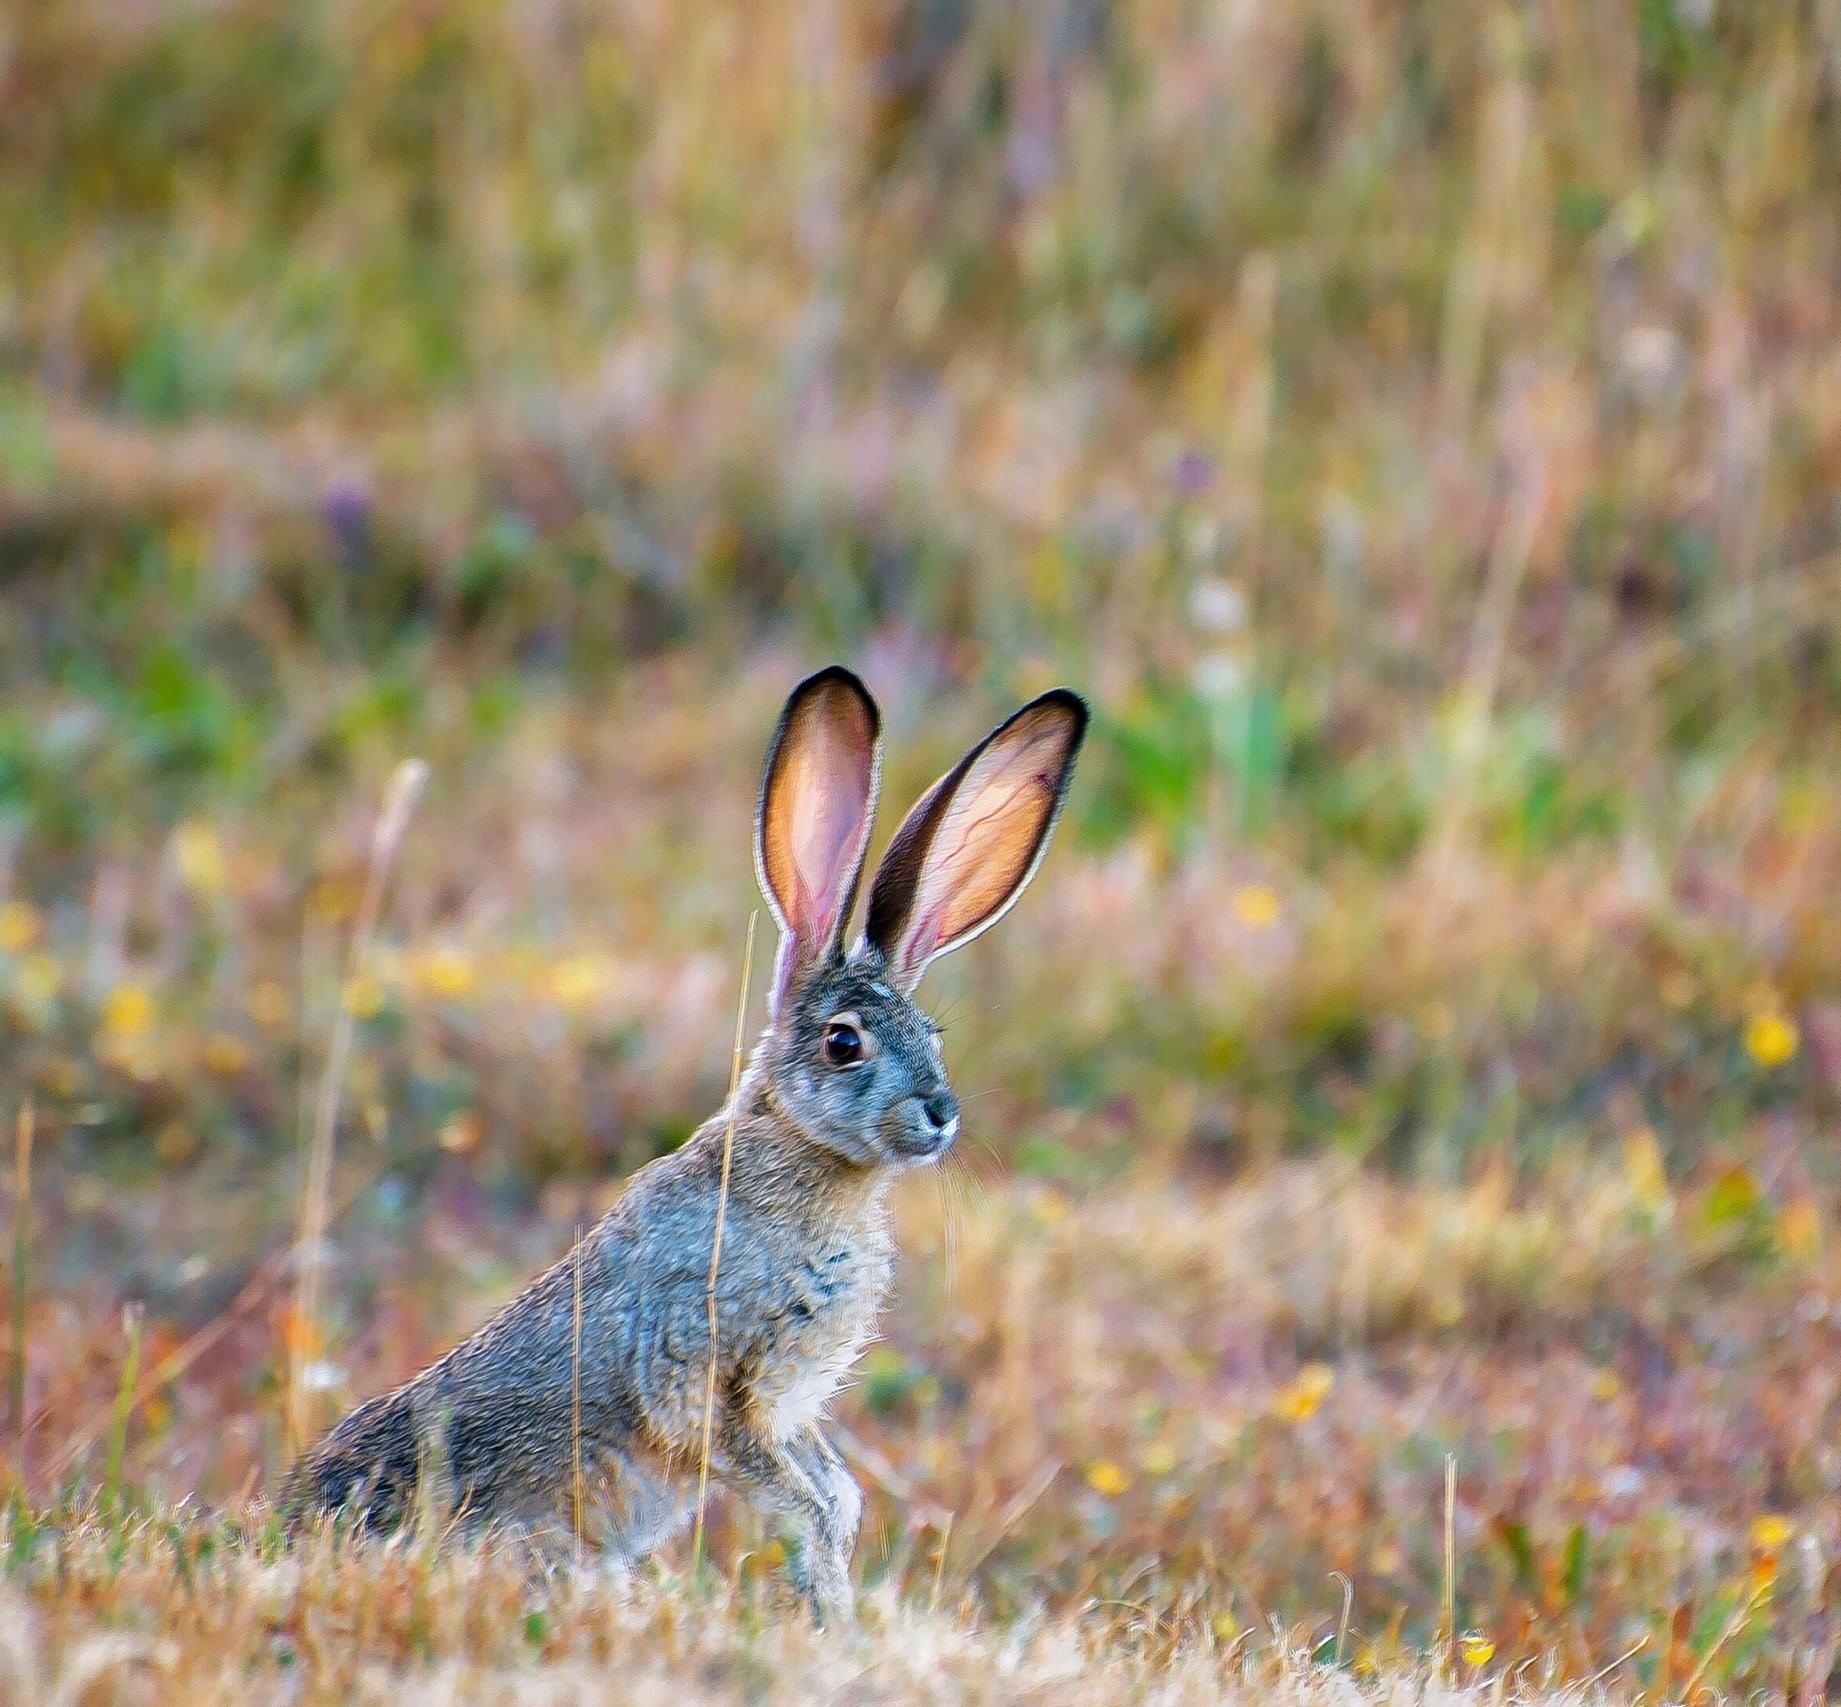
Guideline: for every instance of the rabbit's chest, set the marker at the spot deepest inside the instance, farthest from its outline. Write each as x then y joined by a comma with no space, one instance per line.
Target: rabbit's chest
826,1314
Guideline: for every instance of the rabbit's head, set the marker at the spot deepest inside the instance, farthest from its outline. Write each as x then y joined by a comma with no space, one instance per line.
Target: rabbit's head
849,1059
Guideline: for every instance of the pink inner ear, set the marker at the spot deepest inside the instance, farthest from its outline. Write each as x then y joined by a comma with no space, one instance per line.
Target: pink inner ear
816,822
984,847
831,793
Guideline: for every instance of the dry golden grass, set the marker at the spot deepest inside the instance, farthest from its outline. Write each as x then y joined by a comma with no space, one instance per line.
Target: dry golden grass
474,1628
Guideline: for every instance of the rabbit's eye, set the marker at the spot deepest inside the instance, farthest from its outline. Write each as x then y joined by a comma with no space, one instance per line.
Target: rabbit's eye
842,1045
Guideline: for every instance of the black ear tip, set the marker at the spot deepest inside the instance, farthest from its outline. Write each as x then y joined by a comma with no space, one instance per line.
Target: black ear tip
836,677
1068,702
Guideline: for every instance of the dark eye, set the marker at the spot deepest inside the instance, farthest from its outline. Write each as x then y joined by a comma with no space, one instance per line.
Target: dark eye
843,1044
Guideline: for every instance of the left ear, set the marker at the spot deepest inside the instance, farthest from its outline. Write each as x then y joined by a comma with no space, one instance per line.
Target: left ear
974,839
811,831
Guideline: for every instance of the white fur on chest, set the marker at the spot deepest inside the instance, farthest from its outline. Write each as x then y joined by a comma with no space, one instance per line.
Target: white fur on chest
802,1394
799,1379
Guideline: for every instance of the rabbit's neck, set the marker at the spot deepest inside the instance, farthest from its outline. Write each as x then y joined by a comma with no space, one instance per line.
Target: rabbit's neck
780,1167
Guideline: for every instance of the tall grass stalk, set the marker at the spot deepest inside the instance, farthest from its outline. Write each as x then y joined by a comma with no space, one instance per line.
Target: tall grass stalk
124,1409
575,1402
1449,1642
939,1565
399,802
722,1210
1605,1670
21,1276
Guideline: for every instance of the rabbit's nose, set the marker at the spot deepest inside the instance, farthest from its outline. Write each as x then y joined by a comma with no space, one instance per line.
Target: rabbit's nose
941,1110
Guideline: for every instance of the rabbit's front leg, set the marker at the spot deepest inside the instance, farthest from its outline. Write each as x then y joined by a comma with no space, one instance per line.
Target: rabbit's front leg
837,1488
768,1476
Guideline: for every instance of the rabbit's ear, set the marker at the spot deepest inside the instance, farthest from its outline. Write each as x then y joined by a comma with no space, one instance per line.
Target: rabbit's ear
974,839
812,827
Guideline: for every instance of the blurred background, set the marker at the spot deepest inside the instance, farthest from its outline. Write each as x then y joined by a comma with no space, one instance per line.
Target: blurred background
1416,426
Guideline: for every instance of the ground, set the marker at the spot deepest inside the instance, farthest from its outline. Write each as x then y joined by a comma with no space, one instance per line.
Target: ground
1136,1439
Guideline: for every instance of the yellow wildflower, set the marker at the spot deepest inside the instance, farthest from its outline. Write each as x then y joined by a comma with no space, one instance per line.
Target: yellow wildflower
1300,1399
1771,1532
127,1013
199,856
1771,1037
1106,1477
1257,906
578,981
446,974
19,927
1477,1649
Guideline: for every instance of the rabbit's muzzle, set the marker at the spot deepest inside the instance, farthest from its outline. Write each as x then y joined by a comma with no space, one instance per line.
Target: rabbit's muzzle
922,1128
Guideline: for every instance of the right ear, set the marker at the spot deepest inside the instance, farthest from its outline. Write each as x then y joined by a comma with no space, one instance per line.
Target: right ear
974,839
811,831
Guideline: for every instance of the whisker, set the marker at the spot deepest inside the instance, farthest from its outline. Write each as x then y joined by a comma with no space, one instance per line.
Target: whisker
949,1225
990,1151
943,1016
971,1180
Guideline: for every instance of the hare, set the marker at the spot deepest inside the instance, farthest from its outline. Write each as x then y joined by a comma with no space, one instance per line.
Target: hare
844,1090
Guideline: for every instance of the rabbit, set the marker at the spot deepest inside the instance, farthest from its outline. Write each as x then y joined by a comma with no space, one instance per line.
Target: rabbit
844,1090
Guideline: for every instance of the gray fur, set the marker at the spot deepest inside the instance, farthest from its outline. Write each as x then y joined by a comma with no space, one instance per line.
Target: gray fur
485,1434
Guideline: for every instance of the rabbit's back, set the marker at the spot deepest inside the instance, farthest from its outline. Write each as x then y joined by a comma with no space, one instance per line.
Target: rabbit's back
486,1432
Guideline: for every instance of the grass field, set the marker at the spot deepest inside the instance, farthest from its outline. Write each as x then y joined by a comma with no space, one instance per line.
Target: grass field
1417,427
